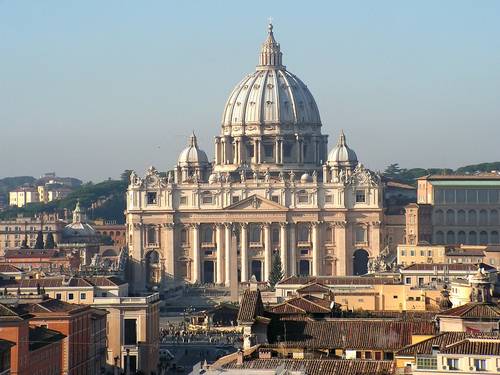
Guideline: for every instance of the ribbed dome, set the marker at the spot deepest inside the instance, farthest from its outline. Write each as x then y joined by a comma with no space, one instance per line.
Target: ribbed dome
270,95
341,153
192,155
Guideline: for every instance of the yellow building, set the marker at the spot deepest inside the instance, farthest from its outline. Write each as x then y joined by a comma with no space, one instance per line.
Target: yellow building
425,253
363,293
23,195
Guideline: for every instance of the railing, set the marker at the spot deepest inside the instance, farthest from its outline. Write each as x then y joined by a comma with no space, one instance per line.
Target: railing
304,243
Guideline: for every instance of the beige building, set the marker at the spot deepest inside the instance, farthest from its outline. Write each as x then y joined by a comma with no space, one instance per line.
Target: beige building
134,324
362,293
273,187
23,195
14,231
456,210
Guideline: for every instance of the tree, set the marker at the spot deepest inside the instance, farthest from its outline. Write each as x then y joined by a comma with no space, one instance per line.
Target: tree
276,273
49,242
39,240
392,171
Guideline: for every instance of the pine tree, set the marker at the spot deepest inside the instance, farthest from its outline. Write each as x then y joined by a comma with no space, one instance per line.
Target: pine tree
276,273
39,240
49,242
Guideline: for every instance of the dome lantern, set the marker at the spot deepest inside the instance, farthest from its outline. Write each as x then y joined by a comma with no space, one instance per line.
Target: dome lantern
270,53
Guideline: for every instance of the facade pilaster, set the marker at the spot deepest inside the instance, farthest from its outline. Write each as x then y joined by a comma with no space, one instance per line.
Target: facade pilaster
196,273
315,249
267,251
283,248
228,253
220,259
293,249
244,252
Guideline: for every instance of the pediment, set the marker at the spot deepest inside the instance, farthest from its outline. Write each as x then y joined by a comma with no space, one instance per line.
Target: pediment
255,202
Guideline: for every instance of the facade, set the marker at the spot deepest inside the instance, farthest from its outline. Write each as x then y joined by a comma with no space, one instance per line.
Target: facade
273,187
14,231
135,327
23,195
5,347
117,232
463,210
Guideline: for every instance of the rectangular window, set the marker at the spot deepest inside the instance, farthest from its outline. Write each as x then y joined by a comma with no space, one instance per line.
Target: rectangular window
287,150
58,296
407,280
83,295
360,196
303,198
480,364
275,198
328,198
207,199
71,296
151,197
268,151
420,281
403,252
412,253
304,252
427,363
183,200
235,199
130,332
452,363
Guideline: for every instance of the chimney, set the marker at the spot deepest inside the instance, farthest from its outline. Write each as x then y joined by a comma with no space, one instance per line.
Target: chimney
239,357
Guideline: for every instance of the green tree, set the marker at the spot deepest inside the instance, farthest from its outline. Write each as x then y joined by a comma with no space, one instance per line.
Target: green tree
39,240
276,273
392,171
49,242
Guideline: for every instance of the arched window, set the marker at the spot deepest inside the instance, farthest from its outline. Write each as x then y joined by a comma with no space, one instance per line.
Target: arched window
111,233
461,237
494,217
483,217
494,237
439,217
483,238
439,237
303,233
472,238
461,217
472,217
304,267
360,262
450,237
450,217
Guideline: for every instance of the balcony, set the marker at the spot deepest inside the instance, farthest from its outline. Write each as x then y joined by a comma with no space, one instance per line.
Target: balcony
255,244
304,243
209,245
153,245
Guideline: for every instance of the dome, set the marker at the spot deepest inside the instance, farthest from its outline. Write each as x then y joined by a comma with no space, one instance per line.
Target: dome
78,230
270,95
192,155
341,153
306,177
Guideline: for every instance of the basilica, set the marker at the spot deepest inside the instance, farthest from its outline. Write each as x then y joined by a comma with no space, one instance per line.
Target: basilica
272,186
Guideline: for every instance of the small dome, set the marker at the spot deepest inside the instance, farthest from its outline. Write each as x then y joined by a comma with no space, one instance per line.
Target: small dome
306,177
341,153
192,155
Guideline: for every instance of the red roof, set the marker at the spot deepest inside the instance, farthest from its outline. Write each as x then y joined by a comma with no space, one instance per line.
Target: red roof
475,310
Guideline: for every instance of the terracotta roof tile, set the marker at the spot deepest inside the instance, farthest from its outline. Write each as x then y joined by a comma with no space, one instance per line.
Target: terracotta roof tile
337,280
318,366
448,266
473,310
474,346
313,288
251,306
349,334
441,341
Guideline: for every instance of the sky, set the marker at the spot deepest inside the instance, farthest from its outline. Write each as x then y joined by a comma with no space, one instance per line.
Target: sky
90,88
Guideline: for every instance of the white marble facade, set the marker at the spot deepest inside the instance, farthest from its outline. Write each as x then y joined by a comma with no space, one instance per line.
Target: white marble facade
272,187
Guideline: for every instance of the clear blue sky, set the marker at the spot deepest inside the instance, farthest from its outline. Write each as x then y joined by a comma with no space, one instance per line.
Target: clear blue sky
90,88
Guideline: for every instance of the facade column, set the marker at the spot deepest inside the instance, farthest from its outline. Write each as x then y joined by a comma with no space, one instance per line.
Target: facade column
343,263
281,151
244,252
293,250
168,247
196,273
277,151
283,248
297,147
259,151
228,253
220,264
217,150
315,249
255,150
267,251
